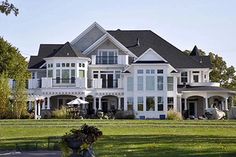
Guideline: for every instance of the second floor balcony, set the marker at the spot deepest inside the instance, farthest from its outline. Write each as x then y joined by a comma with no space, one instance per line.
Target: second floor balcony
74,82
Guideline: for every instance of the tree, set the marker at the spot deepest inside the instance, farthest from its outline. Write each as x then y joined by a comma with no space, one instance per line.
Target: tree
15,66
6,8
5,93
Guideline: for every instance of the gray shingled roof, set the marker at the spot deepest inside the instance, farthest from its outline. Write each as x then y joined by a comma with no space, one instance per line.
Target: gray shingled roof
147,39
52,50
203,88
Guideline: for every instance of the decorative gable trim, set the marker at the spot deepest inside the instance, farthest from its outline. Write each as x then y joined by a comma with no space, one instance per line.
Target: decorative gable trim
95,24
150,50
113,40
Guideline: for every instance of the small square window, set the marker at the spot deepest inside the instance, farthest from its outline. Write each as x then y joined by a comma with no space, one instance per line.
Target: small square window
95,75
67,64
140,71
147,71
83,65
152,71
72,64
51,65
79,64
63,64
58,64
159,71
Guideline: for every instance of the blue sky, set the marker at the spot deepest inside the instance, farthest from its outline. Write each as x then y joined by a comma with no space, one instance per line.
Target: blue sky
209,24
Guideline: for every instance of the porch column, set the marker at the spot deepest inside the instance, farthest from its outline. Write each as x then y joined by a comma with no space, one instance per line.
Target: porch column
185,103
180,104
94,104
39,109
35,110
100,103
119,103
43,105
206,103
226,104
232,101
83,98
48,103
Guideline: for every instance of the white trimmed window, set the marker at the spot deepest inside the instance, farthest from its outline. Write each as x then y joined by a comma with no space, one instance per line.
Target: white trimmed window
184,77
140,103
160,104
130,103
130,83
150,103
107,57
159,82
50,73
170,83
150,83
140,83
170,103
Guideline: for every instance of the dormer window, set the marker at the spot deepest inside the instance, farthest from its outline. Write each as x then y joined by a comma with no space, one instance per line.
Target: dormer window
106,56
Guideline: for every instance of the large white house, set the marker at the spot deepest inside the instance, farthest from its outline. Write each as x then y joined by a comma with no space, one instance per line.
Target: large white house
125,70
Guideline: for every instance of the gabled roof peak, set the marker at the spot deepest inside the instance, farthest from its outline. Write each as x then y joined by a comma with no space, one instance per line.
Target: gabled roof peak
195,52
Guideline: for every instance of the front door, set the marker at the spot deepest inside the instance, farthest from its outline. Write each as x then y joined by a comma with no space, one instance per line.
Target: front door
192,108
105,106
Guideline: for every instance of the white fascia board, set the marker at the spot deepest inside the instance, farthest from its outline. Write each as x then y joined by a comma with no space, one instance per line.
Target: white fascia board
150,49
194,69
95,24
114,41
42,65
54,58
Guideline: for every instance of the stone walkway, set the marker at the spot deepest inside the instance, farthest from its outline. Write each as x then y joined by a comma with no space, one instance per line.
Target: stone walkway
30,153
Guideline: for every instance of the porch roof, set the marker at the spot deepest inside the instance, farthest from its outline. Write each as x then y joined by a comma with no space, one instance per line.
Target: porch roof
188,88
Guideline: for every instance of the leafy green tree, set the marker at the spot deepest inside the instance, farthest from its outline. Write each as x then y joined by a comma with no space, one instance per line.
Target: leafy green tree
6,8
5,93
15,66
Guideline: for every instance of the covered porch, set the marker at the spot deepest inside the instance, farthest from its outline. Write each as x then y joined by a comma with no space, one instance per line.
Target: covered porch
193,101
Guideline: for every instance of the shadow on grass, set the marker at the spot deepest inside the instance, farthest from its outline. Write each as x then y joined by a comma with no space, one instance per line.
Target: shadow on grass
165,146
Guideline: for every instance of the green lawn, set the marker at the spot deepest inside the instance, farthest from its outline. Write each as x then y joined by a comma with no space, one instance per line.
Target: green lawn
134,138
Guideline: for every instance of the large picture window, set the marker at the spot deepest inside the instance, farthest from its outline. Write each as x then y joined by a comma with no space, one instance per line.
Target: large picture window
150,82
150,103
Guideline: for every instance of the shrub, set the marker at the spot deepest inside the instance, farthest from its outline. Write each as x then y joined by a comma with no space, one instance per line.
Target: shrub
174,115
124,115
60,113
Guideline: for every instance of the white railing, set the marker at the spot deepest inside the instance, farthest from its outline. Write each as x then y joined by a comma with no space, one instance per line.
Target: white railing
99,83
214,84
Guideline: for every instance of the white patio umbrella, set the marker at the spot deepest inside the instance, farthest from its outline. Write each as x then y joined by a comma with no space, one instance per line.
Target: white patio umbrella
77,101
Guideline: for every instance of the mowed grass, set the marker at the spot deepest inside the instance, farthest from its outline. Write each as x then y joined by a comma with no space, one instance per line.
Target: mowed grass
134,138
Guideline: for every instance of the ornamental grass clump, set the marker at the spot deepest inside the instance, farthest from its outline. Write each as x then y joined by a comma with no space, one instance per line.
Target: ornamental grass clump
174,115
60,113
80,141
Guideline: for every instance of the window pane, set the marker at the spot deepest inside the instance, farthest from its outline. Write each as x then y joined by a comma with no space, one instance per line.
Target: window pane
170,82
58,64
67,64
140,82
63,64
170,102
160,103
72,73
150,83
140,71
150,104
159,82
81,73
152,71
50,73
130,103
195,78
160,71
140,103
65,76
184,77
72,64
130,85
147,71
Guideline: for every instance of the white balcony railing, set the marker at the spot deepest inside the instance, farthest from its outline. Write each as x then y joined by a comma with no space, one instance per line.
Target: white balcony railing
100,83
47,82
214,84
